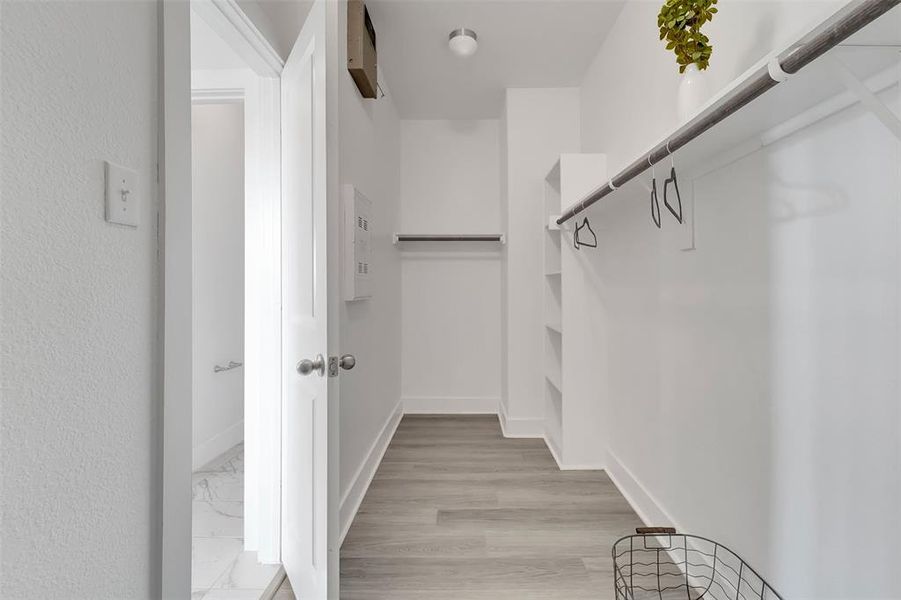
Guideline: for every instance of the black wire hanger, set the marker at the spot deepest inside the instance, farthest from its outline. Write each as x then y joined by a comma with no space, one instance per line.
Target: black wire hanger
655,202
577,242
672,179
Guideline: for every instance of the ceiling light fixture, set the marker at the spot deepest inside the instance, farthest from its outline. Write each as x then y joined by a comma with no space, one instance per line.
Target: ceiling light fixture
463,42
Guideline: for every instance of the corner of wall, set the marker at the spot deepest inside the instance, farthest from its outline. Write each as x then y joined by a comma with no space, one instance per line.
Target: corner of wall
519,428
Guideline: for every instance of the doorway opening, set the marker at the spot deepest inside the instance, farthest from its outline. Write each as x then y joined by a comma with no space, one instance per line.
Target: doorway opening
289,449
235,338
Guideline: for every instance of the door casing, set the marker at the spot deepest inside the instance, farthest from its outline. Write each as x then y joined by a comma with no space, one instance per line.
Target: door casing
175,244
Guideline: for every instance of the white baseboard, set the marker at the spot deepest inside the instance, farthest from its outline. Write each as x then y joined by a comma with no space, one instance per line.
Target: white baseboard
478,405
576,466
217,445
555,451
579,466
519,428
353,497
648,508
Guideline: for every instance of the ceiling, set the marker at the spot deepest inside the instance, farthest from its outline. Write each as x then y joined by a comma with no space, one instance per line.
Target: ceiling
522,43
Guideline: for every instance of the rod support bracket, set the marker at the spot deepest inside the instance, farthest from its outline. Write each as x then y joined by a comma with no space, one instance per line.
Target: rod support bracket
774,68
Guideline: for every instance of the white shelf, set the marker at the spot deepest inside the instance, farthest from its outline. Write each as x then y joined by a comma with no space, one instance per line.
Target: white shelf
814,93
553,273
556,327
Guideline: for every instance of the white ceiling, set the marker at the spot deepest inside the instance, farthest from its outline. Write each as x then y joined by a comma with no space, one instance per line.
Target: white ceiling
284,19
522,43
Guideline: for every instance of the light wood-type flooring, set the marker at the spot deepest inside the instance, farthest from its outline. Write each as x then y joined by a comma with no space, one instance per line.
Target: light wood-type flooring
457,511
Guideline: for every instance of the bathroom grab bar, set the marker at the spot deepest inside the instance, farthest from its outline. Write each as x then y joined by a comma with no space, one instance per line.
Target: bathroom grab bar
231,365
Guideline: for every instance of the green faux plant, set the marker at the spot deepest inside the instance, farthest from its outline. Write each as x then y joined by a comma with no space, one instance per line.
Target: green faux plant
680,23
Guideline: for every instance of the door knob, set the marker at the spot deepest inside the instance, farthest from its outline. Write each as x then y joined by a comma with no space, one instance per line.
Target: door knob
346,362
307,366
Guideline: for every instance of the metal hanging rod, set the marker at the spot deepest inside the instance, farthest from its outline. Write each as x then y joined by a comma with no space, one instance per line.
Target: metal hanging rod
845,23
453,237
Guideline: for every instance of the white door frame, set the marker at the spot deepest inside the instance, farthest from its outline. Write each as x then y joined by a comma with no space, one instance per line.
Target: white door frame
262,392
262,301
176,309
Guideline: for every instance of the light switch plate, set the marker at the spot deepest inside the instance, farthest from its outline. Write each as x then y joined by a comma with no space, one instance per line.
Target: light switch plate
122,203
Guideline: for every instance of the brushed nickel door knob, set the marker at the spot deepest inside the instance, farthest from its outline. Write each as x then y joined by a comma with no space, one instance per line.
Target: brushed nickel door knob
307,366
347,362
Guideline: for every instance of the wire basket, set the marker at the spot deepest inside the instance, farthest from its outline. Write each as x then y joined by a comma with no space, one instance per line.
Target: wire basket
660,564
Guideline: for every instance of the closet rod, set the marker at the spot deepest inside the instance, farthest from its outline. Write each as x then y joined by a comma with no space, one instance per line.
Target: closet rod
439,237
845,23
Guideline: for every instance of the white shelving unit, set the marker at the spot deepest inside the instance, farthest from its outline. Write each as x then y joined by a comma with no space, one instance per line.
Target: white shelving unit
571,394
553,316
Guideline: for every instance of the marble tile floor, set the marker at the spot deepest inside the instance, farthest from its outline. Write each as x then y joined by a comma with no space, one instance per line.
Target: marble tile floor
220,569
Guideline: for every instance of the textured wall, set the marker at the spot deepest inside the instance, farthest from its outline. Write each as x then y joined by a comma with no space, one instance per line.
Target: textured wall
79,303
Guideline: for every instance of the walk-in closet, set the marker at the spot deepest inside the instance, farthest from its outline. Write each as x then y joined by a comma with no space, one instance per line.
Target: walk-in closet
450,299
623,307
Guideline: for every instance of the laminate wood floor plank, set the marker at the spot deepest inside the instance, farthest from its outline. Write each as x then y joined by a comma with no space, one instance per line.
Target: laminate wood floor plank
394,515
568,543
451,469
536,520
412,541
463,574
515,594
458,512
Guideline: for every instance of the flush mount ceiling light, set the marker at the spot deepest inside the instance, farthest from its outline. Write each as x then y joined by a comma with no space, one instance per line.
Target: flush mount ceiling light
463,42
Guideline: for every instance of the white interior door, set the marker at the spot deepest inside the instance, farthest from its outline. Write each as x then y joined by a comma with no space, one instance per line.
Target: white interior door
304,325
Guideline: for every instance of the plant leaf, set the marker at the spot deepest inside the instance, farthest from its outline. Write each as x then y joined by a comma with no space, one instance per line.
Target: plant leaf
680,22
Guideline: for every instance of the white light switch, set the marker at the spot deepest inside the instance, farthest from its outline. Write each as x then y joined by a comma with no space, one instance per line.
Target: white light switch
122,204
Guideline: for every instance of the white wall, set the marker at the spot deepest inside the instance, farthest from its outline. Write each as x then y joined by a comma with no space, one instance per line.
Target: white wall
369,154
753,382
450,176
629,90
80,426
541,124
217,156
451,344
